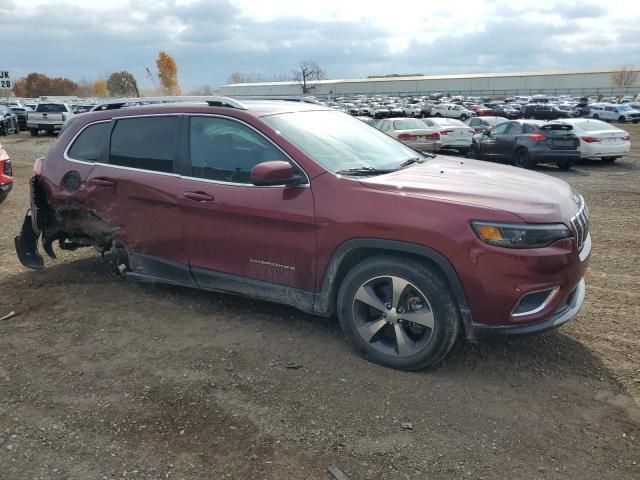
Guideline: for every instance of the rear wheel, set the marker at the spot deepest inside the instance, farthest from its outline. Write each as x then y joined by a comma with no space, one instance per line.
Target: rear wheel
565,164
522,158
34,132
398,312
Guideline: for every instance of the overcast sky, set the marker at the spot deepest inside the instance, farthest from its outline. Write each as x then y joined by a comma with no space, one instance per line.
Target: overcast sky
348,38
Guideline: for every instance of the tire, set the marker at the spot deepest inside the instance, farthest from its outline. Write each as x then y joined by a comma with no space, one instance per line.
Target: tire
382,335
438,114
34,132
474,152
596,116
522,158
464,151
609,159
565,164
635,121
622,119
463,117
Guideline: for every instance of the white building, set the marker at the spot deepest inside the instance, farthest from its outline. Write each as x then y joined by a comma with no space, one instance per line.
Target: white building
561,82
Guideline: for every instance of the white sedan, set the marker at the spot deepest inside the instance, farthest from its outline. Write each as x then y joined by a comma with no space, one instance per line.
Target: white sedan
453,133
599,139
412,132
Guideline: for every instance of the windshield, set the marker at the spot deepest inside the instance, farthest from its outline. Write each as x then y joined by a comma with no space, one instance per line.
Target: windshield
624,108
339,142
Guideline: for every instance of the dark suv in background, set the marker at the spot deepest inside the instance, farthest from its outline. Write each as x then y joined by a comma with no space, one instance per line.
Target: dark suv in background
528,142
543,111
300,204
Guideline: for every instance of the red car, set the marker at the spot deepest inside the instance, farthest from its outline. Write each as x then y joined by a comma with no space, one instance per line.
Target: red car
6,178
482,111
300,204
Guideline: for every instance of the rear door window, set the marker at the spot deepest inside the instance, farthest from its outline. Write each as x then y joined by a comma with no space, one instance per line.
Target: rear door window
87,145
227,150
147,143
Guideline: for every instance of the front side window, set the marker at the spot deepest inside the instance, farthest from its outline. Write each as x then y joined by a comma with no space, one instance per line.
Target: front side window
88,144
227,150
499,129
337,141
147,143
515,128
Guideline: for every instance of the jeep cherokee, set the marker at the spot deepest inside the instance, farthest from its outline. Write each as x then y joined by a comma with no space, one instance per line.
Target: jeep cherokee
300,204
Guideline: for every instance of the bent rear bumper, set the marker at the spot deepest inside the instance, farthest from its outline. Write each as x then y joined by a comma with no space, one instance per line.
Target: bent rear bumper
26,244
558,318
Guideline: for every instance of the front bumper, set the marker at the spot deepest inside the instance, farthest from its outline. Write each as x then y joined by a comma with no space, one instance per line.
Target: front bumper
558,318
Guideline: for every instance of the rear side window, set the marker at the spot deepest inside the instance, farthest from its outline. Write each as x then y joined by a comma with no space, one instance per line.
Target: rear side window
88,144
529,128
148,143
51,108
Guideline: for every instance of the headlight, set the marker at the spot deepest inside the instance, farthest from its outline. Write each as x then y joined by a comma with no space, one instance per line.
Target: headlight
514,235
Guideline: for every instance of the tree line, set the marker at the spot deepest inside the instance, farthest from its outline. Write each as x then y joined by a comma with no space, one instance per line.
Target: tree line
117,84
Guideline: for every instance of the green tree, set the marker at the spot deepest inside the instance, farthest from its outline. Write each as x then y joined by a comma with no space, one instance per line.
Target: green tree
122,84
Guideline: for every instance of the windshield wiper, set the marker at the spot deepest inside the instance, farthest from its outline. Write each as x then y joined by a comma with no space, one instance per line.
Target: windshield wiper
364,171
411,161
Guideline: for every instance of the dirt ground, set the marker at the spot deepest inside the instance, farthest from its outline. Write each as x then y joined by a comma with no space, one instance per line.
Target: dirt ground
102,378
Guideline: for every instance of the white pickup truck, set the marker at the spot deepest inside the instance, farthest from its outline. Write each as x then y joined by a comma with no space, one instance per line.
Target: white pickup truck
449,110
48,116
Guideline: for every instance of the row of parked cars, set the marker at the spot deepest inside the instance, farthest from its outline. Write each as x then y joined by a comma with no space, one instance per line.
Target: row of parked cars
521,141
462,108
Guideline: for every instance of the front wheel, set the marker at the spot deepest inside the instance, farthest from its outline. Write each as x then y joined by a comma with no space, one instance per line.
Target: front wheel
474,152
438,114
398,312
596,116
609,159
622,119
463,117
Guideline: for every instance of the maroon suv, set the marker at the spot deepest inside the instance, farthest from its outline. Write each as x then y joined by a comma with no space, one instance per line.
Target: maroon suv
300,204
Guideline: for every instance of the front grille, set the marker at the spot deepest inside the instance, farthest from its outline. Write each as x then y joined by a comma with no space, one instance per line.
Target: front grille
580,223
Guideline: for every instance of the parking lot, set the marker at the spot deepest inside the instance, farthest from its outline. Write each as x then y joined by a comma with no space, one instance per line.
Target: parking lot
105,378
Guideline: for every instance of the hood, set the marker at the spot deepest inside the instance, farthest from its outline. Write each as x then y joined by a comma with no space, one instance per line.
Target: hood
534,197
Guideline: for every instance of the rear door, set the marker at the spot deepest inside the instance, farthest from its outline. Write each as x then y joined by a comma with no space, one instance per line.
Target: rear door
234,230
134,188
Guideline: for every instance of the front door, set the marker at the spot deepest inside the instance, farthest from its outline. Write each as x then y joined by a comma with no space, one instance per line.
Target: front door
489,141
234,230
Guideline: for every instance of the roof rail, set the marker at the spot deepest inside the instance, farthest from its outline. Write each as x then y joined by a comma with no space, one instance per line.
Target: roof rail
214,101
290,98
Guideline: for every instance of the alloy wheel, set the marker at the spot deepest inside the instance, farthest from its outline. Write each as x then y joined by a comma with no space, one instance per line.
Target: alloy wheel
393,316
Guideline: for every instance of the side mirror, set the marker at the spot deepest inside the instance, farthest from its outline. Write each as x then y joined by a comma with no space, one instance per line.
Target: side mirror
274,172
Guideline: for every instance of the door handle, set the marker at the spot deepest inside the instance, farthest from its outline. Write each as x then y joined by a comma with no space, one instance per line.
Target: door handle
102,182
198,196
